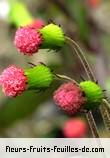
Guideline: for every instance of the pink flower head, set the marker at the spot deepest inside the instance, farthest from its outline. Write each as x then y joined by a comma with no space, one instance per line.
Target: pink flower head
13,81
27,40
37,24
69,97
75,128
94,3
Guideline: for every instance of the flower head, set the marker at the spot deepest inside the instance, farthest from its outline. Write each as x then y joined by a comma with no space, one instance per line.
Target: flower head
27,40
75,128
69,97
93,93
13,81
37,24
94,3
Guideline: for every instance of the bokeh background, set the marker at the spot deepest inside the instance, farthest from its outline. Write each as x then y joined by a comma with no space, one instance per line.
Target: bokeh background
88,23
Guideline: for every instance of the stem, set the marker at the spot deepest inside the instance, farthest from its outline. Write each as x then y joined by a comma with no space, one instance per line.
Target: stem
82,58
105,111
92,124
66,78
106,118
91,76
106,103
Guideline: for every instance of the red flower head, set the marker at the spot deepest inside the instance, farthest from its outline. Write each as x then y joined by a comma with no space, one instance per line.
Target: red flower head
37,24
94,3
69,97
13,81
27,40
75,128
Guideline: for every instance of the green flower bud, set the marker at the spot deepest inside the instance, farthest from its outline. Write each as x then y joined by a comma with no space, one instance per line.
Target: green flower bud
19,14
53,36
39,77
93,93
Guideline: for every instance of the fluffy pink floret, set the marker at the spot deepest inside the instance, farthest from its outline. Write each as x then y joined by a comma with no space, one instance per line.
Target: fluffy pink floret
13,81
69,97
37,24
27,40
75,128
